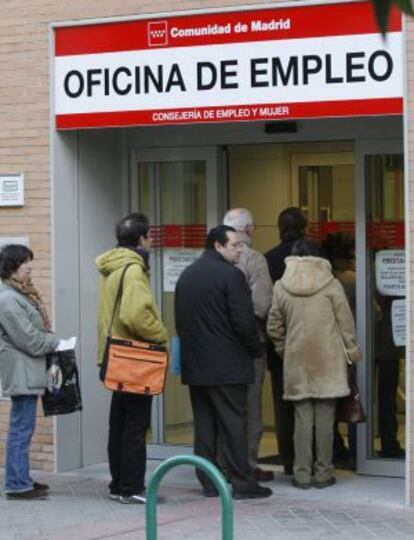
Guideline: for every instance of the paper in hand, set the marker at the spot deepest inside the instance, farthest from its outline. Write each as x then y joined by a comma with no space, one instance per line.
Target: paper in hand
66,344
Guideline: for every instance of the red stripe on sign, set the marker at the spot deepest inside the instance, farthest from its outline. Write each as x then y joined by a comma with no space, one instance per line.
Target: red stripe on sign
177,236
235,27
386,235
319,230
236,113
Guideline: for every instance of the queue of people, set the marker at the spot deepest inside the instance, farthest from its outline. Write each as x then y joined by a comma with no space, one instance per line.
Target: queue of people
236,312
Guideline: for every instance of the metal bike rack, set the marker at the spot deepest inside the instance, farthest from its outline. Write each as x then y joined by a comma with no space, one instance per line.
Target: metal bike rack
210,470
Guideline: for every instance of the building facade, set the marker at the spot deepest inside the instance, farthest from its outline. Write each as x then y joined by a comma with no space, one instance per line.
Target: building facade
182,110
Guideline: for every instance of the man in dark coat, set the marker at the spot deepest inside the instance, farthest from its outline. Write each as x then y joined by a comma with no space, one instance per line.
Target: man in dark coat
219,341
292,224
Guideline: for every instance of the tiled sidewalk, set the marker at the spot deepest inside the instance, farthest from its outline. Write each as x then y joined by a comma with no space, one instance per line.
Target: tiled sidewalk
79,509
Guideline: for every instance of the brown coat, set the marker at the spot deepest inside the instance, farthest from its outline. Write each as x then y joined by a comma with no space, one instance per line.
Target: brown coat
310,323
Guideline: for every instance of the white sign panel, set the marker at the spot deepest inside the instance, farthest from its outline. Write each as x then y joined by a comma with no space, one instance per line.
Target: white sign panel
5,240
398,321
11,190
175,261
202,76
390,272
272,63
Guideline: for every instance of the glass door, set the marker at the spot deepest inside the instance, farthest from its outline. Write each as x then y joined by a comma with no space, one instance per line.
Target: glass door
381,251
323,187
177,189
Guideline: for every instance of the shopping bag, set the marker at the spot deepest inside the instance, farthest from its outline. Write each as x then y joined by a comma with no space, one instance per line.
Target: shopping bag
175,367
62,394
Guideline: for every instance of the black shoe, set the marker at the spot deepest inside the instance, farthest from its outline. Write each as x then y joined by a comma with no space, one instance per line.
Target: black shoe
301,485
211,493
263,476
395,453
288,469
258,492
42,487
139,498
27,495
326,483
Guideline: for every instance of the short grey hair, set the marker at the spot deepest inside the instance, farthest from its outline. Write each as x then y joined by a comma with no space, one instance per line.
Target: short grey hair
238,218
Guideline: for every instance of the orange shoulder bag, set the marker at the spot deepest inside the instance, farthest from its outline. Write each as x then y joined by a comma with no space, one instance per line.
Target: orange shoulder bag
135,366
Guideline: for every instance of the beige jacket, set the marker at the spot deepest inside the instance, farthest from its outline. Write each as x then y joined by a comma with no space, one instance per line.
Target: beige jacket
254,266
310,324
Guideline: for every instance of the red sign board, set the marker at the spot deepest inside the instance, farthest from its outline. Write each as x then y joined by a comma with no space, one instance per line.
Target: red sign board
267,64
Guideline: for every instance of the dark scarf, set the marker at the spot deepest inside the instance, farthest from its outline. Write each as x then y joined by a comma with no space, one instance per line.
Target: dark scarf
27,288
141,252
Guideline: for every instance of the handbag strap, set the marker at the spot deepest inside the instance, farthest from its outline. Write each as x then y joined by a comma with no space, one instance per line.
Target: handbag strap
118,296
348,361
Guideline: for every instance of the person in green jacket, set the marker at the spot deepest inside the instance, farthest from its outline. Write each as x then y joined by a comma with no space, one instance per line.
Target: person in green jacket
136,317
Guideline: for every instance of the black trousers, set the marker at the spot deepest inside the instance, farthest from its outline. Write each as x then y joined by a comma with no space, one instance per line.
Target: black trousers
220,418
129,419
284,413
388,377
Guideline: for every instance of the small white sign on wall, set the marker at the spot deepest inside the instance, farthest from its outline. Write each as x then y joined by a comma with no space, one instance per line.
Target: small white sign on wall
390,272
175,261
11,190
398,321
5,240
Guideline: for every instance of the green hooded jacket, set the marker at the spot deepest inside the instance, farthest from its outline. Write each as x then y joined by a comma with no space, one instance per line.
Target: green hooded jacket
138,315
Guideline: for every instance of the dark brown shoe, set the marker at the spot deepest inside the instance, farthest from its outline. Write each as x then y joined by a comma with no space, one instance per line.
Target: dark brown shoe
327,483
263,476
301,485
42,487
28,495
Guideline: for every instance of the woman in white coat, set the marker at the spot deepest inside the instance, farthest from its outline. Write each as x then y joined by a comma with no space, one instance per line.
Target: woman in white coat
311,326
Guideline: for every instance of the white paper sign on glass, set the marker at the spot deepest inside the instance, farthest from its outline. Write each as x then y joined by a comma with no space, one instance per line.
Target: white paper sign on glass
390,272
398,322
175,261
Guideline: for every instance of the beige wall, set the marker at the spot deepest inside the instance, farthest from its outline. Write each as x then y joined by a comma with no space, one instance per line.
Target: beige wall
24,134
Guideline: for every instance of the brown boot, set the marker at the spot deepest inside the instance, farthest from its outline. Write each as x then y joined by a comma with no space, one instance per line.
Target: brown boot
263,476
28,495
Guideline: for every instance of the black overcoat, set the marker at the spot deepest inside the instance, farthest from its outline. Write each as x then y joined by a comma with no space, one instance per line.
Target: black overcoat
215,321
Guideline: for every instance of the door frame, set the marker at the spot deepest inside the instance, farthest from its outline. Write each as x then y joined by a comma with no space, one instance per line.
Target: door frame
373,465
216,202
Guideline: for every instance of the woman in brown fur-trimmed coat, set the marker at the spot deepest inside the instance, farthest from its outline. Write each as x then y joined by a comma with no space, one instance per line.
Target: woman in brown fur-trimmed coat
311,325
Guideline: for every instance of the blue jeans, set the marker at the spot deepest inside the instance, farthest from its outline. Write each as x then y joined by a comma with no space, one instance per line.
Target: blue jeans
21,427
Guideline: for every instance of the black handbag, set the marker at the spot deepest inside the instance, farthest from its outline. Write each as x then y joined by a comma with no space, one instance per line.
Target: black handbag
62,394
350,409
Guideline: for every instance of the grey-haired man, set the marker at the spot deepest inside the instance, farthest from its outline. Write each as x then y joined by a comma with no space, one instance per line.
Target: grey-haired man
254,266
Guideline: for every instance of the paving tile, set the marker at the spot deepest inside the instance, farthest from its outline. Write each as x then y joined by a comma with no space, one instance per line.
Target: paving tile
185,514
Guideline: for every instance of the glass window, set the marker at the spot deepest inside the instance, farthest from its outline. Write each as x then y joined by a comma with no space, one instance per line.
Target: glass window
175,192
386,304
